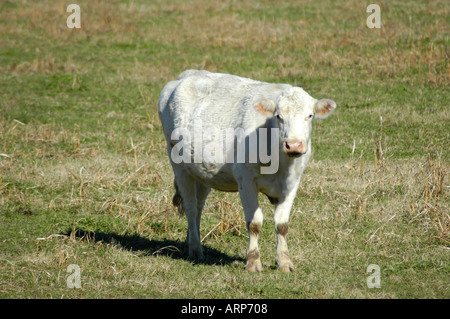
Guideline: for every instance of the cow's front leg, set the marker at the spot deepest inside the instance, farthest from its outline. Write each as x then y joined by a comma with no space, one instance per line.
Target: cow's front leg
281,222
254,220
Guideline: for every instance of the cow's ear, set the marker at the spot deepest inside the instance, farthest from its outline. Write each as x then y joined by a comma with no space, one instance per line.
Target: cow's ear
323,108
265,107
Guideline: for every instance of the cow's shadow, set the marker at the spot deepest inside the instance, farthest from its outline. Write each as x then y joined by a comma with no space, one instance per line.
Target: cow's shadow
151,247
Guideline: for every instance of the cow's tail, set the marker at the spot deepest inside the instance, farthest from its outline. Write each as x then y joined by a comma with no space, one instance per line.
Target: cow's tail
177,200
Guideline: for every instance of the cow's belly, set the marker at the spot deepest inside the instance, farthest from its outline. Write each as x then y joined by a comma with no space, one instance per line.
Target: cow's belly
217,176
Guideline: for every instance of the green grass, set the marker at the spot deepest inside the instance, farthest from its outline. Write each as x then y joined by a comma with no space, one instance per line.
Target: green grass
85,178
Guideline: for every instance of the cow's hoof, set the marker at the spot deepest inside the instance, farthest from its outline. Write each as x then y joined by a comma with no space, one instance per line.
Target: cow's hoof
287,267
254,266
196,254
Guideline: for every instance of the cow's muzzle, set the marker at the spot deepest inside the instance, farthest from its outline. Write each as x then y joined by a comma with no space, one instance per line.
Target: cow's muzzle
294,148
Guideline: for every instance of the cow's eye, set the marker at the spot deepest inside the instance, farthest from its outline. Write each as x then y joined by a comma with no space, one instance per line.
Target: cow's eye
279,117
310,116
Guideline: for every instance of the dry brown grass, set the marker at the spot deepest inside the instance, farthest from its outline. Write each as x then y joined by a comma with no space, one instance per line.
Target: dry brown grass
93,177
415,191
421,58
213,26
403,191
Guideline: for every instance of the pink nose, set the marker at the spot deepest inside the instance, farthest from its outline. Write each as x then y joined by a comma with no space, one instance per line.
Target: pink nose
294,147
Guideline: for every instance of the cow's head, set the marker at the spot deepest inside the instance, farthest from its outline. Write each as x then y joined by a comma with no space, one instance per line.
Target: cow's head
293,112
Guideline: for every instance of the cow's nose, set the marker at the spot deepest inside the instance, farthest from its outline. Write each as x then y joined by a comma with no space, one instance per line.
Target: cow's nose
294,147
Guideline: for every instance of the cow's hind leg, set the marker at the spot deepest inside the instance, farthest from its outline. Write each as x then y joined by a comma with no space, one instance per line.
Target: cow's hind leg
201,193
177,200
187,190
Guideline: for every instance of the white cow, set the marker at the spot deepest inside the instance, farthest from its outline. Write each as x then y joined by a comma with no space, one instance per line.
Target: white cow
197,112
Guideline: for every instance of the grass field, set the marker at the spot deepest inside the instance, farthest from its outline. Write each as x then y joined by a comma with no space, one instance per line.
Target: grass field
85,178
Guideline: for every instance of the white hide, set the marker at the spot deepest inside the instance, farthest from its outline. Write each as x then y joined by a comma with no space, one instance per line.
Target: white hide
200,101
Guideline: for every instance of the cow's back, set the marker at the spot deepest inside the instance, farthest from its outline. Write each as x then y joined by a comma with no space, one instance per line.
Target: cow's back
215,98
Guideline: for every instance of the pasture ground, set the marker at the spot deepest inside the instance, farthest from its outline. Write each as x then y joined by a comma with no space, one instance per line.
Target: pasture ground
85,179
